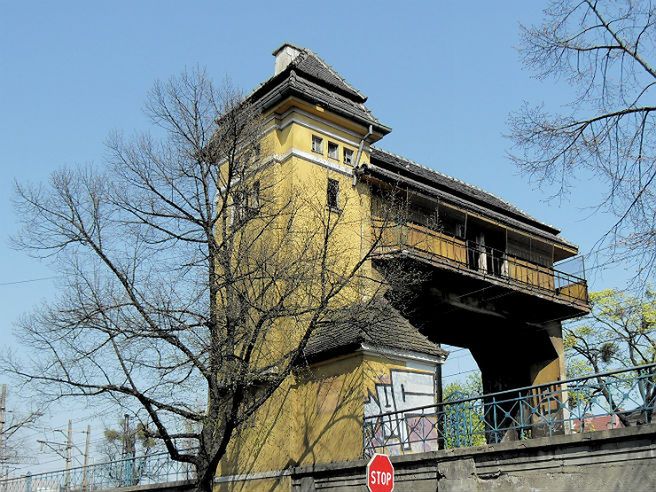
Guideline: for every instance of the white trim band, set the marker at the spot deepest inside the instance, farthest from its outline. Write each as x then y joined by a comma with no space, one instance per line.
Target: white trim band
253,476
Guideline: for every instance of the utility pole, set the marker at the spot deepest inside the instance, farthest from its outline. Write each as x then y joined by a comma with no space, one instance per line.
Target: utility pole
65,450
3,441
69,455
127,469
85,478
126,433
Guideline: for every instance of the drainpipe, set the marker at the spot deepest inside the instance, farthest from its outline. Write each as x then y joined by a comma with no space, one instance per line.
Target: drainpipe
359,154
355,182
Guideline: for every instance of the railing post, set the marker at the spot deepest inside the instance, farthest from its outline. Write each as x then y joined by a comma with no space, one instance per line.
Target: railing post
522,422
494,418
439,424
550,421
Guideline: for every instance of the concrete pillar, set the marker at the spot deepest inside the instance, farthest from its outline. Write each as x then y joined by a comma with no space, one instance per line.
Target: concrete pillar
517,355
549,401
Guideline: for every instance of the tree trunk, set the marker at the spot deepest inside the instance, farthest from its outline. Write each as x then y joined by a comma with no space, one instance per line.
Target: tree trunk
205,482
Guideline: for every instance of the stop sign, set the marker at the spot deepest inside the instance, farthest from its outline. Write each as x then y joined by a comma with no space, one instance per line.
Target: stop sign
380,474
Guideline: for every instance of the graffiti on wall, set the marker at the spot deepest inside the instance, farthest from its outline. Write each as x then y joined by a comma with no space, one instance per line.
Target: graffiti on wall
405,429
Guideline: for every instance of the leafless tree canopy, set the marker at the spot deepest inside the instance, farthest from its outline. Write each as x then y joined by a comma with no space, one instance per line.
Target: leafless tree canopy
605,51
185,262
12,446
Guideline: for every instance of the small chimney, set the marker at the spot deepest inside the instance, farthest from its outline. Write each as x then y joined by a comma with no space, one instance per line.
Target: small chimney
284,56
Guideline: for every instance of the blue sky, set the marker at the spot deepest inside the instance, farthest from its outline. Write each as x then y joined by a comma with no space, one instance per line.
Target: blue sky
443,76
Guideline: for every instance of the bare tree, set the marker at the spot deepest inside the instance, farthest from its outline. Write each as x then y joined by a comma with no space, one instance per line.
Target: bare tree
12,421
605,51
194,270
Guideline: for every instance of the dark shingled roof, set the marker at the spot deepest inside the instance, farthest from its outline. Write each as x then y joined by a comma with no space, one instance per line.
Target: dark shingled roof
463,194
312,66
382,326
309,77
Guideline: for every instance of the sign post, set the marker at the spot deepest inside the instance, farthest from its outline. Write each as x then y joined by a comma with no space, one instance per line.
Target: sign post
380,474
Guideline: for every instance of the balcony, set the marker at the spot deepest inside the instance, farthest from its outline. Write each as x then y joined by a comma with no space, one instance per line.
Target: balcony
486,263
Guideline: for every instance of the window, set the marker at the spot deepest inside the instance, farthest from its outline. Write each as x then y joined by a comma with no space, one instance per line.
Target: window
317,144
333,150
333,194
253,203
238,202
348,156
247,203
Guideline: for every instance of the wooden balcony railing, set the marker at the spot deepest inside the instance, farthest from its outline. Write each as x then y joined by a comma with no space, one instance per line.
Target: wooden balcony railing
483,260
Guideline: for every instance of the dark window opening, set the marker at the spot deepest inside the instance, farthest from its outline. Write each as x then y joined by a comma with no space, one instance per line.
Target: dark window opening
348,156
254,199
333,194
247,203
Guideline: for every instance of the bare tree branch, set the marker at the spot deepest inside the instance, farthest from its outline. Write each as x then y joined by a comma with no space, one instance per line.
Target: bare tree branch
606,52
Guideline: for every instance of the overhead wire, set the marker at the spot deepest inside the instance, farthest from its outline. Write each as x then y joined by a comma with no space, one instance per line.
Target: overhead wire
460,373
38,279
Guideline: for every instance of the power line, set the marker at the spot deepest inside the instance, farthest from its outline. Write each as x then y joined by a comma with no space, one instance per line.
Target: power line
28,280
457,350
460,373
462,356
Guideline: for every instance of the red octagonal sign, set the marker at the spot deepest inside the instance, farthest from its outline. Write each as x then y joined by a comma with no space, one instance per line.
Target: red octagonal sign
380,474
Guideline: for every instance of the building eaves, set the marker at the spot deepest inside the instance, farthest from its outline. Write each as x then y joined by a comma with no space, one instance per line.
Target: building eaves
413,167
462,193
295,85
333,100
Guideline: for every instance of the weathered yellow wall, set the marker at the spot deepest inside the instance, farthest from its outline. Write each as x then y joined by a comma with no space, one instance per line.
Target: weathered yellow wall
316,418
293,172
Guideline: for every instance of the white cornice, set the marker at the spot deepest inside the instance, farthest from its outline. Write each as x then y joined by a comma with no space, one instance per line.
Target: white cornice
310,157
401,354
289,117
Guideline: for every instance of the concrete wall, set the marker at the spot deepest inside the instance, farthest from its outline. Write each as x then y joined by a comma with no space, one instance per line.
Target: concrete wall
618,459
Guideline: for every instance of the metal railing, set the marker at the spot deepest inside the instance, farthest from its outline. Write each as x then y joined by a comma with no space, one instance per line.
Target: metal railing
602,401
129,472
484,260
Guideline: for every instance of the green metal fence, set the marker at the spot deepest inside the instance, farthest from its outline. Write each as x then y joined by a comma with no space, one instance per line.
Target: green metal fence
129,472
602,401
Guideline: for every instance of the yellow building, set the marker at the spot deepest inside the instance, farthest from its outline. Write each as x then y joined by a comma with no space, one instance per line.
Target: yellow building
491,282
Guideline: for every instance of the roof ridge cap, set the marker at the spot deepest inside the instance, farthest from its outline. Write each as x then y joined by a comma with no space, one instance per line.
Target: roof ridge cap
286,43
464,183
